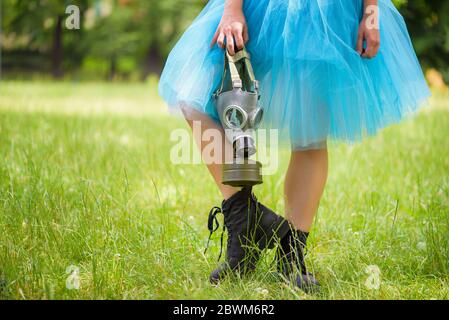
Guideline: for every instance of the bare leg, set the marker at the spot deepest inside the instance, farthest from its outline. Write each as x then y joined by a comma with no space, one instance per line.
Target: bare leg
304,185
214,168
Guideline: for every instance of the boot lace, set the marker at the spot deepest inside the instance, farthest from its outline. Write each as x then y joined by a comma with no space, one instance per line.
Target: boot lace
212,226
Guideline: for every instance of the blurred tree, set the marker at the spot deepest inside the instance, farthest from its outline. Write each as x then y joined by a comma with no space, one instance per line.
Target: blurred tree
113,36
428,22
161,24
139,29
142,32
37,26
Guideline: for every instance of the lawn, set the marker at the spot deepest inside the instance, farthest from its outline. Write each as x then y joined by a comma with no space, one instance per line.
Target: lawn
92,208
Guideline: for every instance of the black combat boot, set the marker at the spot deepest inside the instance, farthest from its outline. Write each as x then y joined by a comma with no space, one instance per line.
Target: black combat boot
290,258
251,227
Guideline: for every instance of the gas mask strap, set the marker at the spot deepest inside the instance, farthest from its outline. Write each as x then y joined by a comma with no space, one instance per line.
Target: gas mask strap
230,61
245,56
235,76
249,69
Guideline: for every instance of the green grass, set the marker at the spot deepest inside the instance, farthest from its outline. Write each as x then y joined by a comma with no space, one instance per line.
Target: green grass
85,180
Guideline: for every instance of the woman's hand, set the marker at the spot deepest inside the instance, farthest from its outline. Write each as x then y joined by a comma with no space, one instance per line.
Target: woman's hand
369,32
232,29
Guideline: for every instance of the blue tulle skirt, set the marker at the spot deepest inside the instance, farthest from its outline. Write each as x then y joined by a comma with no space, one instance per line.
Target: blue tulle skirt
314,85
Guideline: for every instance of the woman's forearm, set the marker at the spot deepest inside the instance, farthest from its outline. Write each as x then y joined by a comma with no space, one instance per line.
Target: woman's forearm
233,4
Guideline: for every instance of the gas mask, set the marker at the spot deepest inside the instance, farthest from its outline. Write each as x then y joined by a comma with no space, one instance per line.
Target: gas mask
237,104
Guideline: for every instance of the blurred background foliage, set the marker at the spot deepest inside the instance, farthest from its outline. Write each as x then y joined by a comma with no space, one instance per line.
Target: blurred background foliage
130,39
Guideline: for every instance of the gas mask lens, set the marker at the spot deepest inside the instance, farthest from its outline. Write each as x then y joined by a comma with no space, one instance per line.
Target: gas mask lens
235,117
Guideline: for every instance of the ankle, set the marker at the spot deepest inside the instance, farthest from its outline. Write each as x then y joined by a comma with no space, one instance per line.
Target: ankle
299,239
227,191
